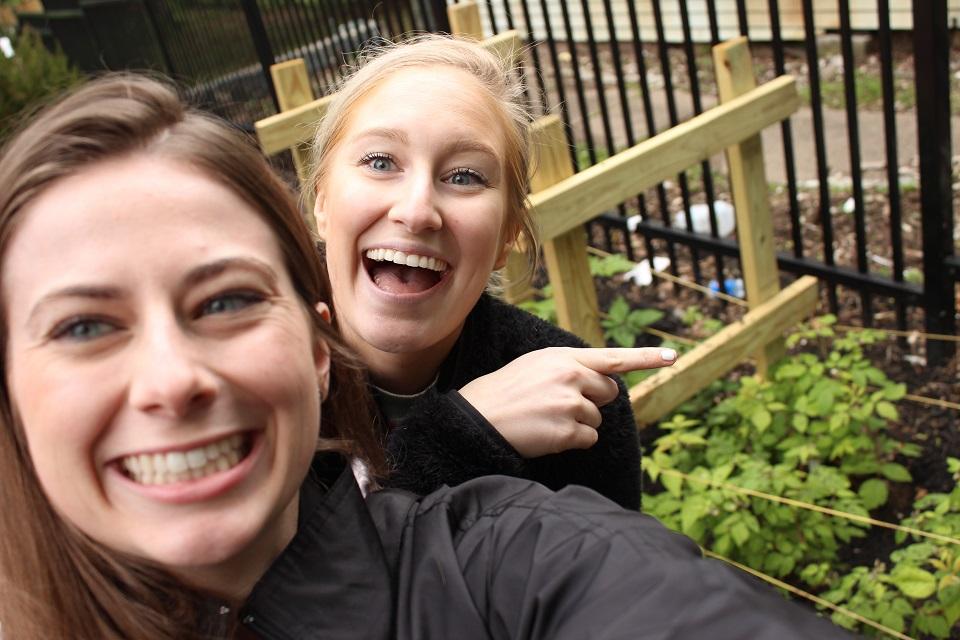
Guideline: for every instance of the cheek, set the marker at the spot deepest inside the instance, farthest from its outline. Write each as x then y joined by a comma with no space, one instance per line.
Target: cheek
353,204
481,232
63,417
62,408
275,366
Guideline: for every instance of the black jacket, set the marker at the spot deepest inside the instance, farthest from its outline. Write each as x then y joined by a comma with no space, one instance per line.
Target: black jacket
499,558
446,441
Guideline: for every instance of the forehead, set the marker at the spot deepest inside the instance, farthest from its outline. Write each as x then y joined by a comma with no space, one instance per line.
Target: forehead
435,99
127,218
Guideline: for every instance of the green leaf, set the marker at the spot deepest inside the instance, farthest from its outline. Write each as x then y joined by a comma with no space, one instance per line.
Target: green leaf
761,418
937,626
622,336
874,493
895,472
800,422
892,619
642,318
952,611
894,392
673,484
619,310
610,265
693,509
886,410
914,582
740,533
790,370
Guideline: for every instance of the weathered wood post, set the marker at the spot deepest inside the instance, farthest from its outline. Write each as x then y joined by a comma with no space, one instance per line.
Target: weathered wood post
566,256
734,69
464,20
293,90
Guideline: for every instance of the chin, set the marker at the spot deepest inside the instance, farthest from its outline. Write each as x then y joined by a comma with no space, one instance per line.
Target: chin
205,547
398,336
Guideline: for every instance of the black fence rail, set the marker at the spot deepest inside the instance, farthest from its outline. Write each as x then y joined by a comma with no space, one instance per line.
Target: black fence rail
861,177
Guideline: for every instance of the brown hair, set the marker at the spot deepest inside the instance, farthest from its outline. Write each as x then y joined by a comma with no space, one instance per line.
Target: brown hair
496,77
54,581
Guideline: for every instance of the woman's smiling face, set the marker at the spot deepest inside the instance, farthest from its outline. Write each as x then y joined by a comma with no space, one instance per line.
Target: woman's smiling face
162,367
412,209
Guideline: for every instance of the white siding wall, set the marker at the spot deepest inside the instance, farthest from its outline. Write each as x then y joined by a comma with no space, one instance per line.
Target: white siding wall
863,16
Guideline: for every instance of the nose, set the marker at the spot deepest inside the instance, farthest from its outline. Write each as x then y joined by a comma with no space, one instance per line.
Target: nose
170,378
416,206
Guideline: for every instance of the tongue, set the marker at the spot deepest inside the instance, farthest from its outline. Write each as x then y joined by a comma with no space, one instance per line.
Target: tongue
395,278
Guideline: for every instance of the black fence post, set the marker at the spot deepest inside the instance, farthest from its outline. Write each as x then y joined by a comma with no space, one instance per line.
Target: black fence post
931,41
258,32
439,8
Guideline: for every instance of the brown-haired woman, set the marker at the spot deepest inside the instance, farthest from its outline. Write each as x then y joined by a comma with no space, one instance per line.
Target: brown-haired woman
97,187
165,361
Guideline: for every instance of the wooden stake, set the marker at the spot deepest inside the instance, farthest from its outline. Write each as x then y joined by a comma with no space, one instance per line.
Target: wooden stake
465,20
758,259
566,255
293,90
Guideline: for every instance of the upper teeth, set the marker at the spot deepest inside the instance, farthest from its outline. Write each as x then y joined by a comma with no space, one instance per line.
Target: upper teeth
177,466
408,259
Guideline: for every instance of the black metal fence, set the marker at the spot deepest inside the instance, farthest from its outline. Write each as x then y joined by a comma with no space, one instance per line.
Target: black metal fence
852,205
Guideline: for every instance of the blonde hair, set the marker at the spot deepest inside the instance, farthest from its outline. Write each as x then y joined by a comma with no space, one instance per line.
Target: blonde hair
496,77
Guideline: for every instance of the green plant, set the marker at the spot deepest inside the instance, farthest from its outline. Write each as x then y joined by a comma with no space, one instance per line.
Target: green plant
815,431
544,307
920,589
32,74
702,325
609,265
622,324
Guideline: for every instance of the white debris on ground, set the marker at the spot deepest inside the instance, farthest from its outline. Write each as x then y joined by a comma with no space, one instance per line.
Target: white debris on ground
642,275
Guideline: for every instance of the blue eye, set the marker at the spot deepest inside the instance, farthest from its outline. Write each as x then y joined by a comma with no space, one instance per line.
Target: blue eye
378,161
466,178
82,329
229,303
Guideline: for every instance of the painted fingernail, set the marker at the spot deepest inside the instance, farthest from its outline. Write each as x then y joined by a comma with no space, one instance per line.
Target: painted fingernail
668,355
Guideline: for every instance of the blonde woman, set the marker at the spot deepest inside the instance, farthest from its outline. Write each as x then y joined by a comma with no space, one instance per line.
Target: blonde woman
421,183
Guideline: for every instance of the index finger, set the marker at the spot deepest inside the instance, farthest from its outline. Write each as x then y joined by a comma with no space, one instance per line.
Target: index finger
608,360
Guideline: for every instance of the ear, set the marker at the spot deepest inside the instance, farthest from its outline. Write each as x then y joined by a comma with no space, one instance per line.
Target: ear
321,355
504,254
320,217
511,234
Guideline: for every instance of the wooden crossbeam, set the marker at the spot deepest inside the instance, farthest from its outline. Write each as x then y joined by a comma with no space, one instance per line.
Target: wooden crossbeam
664,391
288,129
606,184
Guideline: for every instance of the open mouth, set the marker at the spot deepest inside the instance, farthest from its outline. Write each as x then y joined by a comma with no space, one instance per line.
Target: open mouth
403,273
191,464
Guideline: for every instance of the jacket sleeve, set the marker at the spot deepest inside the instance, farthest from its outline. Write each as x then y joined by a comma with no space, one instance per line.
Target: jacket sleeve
445,441
572,565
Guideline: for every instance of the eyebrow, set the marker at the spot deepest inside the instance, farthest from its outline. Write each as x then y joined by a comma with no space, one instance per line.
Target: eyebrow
210,270
457,146
383,132
466,144
195,276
